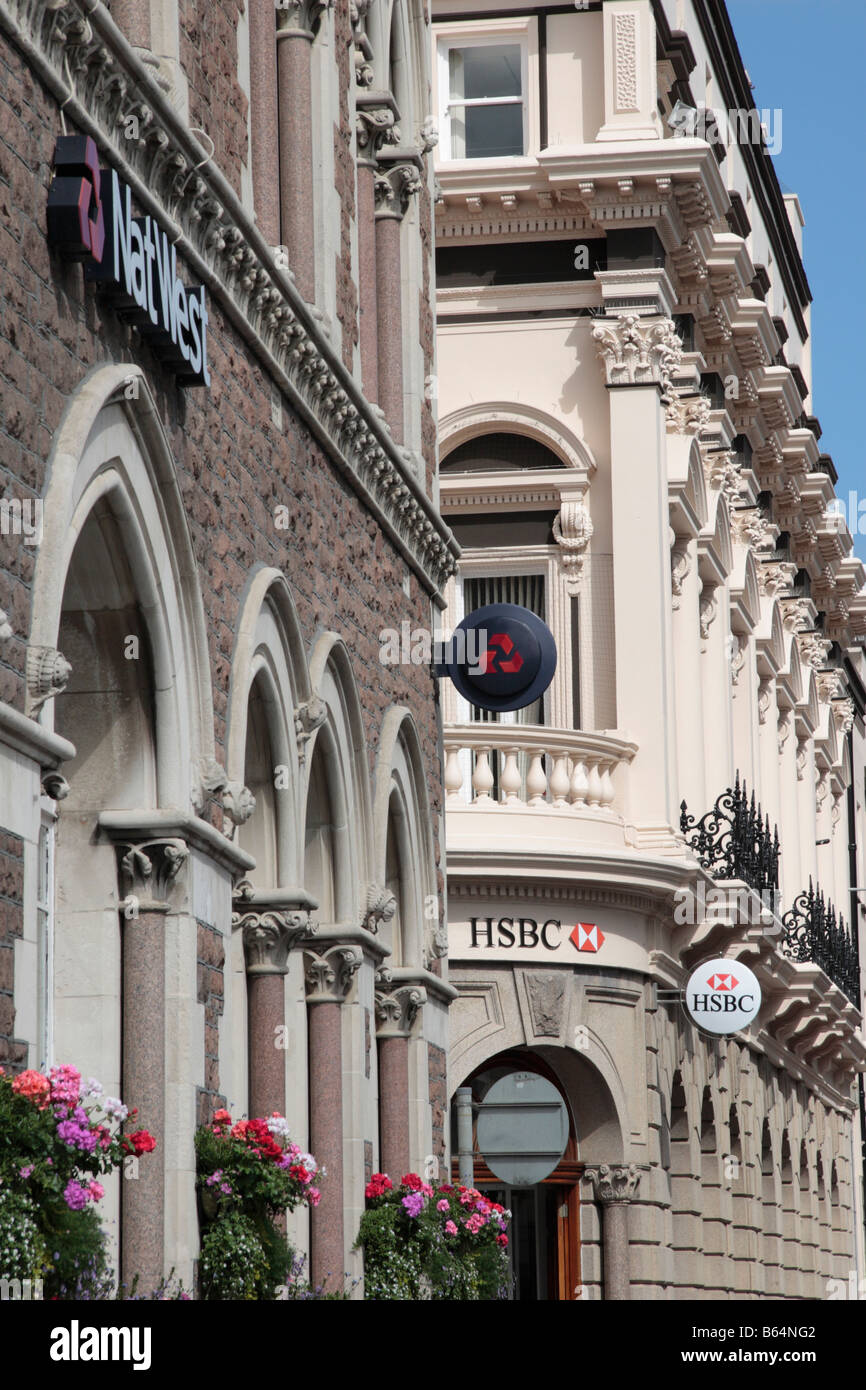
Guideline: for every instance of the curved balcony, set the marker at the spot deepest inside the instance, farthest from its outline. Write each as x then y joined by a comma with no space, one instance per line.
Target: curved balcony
500,778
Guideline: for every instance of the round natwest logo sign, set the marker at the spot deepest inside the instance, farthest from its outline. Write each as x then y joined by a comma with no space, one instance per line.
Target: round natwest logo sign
722,996
515,657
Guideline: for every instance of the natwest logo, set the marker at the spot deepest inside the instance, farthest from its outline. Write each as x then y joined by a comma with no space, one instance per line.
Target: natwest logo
90,220
720,999
501,655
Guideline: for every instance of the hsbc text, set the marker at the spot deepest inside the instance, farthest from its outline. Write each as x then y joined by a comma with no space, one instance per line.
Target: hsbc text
722,1003
523,932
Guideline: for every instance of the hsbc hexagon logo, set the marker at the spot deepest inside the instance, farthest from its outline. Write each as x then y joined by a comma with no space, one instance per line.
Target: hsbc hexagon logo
586,936
722,996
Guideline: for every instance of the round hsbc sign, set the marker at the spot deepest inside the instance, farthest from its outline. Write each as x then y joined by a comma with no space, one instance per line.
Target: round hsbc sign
722,996
515,657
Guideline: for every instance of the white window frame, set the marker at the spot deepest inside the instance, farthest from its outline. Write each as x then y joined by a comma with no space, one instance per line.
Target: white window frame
521,31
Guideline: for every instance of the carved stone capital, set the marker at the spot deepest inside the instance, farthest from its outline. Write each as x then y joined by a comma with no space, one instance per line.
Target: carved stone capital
802,757
686,414
330,972
765,698
149,872
783,728
722,474
813,648
775,577
750,528
300,17
637,351
47,672
396,1005
797,615
376,127
572,531
381,907
614,1184
681,564
829,684
843,711
269,935
709,606
394,185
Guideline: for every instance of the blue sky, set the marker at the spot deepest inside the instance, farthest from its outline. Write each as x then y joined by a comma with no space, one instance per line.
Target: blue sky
808,59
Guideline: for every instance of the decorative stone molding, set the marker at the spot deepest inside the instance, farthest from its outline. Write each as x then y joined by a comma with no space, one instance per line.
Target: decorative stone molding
375,126
765,697
797,614
829,684
802,758
681,564
436,947
55,786
750,528
614,1184
783,728
397,1005
308,718
739,647
394,185
428,135
88,65
330,972
775,577
149,872
813,648
546,993
47,672
709,606
686,414
381,907
722,474
301,18
238,803
572,531
822,788
843,711
637,351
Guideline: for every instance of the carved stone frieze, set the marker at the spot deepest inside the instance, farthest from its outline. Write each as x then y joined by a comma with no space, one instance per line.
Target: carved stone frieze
546,994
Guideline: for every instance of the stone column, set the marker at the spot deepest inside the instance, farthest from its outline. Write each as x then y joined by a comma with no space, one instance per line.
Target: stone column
398,178
397,1008
148,871
297,24
375,127
639,356
329,977
272,923
264,119
686,623
614,1188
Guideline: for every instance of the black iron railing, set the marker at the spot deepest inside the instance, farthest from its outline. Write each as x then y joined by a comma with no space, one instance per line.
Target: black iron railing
814,933
734,840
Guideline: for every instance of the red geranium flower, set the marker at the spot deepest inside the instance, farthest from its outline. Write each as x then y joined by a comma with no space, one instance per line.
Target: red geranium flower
142,1142
378,1185
412,1181
222,1117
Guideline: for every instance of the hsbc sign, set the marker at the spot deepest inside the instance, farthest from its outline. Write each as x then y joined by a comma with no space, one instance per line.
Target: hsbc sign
722,996
525,933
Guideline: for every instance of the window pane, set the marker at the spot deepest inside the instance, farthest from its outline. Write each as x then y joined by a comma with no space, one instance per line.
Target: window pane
486,70
493,131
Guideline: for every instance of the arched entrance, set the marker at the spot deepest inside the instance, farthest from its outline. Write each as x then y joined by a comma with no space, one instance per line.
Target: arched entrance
514,1129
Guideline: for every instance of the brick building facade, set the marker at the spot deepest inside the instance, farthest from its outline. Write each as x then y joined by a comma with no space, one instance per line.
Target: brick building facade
201,756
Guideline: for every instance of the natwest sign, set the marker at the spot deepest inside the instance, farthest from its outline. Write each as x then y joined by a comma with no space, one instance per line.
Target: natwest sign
90,220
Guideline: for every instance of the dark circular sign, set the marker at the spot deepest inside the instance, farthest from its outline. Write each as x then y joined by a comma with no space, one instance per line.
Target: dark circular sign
503,657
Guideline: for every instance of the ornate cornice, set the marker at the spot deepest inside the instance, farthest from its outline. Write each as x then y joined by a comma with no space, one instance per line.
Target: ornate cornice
614,1184
82,57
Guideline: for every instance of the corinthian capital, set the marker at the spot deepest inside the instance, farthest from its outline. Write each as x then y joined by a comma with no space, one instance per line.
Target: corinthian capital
638,351
149,871
330,973
375,124
396,1005
270,930
614,1184
301,17
394,186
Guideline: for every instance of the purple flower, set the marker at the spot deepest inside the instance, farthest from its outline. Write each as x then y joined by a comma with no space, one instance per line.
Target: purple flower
414,1203
25,1172
75,1195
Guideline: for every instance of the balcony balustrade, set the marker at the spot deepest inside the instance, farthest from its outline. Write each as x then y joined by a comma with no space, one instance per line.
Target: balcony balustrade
531,767
733,840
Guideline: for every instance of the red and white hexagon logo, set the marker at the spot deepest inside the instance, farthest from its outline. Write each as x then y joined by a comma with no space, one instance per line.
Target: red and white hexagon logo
722,996
722,982
586,936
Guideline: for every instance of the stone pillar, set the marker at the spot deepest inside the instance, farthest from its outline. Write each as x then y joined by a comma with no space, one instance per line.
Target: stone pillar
614,1188
272,923
397,1008
133,18
264,119
148,871
465,1151
375,127
298,22
329,977
686,595
630,111
397,180
639,355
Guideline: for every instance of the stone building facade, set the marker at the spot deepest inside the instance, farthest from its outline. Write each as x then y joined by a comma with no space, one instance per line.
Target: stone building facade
220,841
628,445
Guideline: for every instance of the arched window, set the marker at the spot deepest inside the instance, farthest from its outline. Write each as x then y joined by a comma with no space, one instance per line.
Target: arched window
319,843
